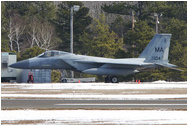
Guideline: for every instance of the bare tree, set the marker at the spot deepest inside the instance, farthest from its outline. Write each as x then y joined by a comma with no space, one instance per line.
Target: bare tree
40,34
45,35
33,32
19,28
16,28
11,32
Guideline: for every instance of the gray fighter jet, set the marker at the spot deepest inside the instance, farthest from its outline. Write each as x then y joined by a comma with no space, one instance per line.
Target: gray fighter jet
154,55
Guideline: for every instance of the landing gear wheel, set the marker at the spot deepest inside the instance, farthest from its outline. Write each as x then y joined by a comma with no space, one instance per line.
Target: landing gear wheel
114,79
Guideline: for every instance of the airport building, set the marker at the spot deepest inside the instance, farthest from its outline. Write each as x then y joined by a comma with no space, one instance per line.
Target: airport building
12,75
8,74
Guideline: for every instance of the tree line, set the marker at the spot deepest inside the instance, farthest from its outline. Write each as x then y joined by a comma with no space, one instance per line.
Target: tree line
28,28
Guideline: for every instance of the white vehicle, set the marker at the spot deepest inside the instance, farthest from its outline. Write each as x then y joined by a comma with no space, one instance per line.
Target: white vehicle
78,80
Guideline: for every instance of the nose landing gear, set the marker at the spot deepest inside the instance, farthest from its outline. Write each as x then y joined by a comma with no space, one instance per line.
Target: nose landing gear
111,79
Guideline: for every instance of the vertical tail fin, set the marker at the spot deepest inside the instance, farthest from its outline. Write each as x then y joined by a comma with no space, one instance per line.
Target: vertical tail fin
157,50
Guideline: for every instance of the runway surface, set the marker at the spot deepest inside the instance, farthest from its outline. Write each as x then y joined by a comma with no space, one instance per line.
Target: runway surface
92,104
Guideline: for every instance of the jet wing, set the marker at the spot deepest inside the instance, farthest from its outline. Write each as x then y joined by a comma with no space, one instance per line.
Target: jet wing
118,63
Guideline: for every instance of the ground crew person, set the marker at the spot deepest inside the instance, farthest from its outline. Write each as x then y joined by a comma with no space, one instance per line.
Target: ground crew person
30,77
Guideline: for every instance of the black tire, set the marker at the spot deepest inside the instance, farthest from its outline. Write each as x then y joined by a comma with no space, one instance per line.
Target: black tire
114,79
64,81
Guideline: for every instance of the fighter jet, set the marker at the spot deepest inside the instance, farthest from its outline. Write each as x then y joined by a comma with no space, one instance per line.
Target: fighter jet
154,55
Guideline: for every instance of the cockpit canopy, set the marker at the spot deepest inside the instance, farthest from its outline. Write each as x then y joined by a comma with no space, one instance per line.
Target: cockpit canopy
52,53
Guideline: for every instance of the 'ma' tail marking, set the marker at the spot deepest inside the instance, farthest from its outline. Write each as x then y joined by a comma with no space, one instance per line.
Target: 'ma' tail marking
157,50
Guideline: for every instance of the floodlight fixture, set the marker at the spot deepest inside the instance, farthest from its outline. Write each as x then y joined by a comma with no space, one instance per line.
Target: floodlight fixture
76,7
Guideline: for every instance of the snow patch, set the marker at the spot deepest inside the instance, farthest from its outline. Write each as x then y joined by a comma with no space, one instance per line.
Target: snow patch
118,117
101,86
106,97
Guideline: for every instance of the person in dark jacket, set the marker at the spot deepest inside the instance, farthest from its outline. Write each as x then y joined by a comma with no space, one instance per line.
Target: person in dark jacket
30,77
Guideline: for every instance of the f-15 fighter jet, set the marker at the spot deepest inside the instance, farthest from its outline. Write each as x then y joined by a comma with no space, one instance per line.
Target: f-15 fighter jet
154,55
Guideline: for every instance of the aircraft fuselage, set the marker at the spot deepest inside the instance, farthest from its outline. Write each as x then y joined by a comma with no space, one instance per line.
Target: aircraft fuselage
80,63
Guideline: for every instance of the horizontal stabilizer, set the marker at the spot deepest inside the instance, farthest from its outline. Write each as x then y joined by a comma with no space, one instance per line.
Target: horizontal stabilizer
170,66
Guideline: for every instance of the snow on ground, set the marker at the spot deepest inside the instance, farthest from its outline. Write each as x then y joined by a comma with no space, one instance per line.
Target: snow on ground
98,86
86,117
72,88
104,97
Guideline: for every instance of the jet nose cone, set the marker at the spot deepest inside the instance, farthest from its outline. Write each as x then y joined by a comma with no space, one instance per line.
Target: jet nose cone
21,65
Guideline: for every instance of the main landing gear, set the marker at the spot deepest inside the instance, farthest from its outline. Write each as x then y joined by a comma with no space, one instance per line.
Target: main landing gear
111,79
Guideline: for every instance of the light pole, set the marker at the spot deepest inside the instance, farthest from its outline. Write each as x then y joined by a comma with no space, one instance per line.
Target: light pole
132,13
133,20
73,8
157,20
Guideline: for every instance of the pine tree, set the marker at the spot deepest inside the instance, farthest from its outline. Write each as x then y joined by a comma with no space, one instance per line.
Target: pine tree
99,41
81,20
138,38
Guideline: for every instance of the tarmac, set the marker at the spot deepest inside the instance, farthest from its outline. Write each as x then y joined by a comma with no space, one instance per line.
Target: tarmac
56,104
81,98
